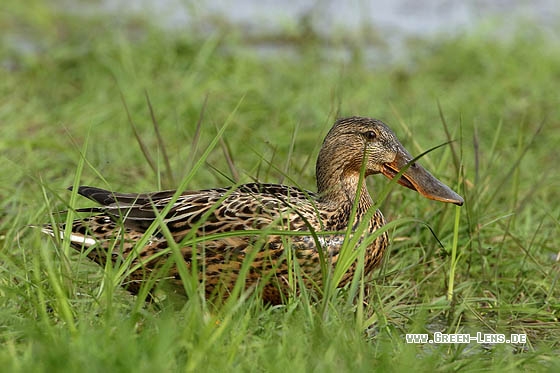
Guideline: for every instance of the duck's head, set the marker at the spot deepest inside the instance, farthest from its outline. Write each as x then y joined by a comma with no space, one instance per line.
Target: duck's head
353,140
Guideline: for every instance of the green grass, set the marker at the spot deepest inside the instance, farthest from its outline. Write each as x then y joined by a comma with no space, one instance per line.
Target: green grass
497,99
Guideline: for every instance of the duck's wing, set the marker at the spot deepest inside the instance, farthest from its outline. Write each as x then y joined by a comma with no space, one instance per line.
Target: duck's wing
224,209
138,210
107,198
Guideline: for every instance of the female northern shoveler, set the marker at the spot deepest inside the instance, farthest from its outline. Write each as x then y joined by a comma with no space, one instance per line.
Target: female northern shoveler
200,216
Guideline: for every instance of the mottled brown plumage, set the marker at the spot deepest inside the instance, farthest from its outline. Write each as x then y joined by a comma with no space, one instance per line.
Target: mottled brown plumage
269,208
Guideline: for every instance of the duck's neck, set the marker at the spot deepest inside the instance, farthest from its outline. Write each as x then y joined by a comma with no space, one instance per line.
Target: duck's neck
338,185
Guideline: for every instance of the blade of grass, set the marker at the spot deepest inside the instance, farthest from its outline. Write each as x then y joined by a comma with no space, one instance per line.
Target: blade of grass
454,257
229,159
196,137
170,180
448,134
290,153
143,147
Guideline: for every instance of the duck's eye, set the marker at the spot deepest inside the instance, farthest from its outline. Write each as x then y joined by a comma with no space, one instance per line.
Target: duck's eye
370,135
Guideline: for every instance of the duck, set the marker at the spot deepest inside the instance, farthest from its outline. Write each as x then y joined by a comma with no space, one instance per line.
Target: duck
264,227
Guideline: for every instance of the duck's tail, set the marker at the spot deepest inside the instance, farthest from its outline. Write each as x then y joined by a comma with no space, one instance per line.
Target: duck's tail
76,239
